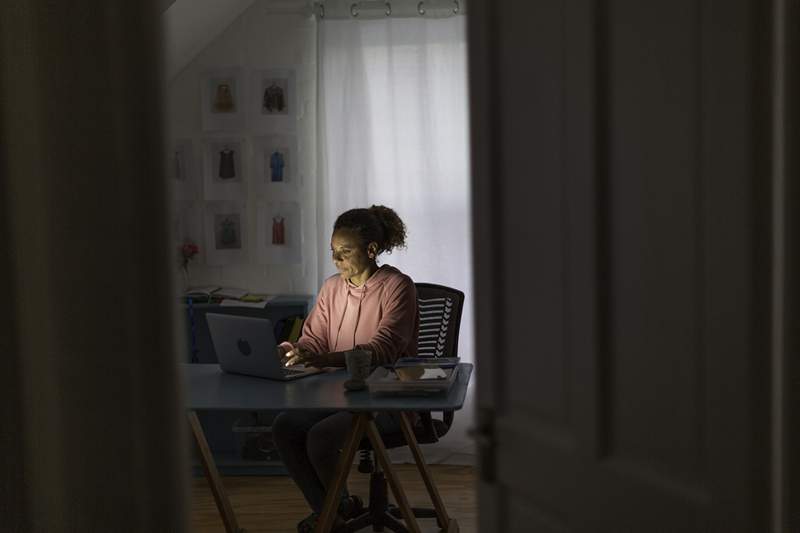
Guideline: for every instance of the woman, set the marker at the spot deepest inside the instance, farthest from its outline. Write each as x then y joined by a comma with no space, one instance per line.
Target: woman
363,307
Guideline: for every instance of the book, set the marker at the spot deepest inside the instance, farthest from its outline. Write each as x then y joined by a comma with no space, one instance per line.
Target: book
201,293
230,292
250,297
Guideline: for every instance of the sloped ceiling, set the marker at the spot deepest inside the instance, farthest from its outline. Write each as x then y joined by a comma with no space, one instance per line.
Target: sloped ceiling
191,25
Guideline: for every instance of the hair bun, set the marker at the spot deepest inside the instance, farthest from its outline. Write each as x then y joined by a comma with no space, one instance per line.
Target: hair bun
378,224
394,230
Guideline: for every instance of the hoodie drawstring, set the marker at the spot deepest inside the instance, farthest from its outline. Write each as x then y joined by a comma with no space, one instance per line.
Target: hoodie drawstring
344,314
358,314
341,320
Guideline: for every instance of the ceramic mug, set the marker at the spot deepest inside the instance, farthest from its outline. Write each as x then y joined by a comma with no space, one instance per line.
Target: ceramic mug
359,366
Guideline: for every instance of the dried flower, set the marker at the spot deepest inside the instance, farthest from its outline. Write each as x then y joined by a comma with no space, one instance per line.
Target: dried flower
188,251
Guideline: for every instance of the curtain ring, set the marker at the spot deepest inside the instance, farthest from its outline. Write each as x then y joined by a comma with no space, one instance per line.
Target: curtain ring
456,8
420,9
354,9
388,9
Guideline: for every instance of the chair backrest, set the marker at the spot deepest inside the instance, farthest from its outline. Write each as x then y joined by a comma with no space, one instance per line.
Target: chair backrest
439,320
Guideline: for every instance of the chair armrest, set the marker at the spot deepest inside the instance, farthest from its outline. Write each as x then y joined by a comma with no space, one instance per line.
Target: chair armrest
447,418
426,432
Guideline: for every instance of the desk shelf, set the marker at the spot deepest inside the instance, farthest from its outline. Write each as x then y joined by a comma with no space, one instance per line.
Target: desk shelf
232,464
226,443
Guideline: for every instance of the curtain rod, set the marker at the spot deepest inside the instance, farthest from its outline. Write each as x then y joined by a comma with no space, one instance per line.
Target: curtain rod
378,9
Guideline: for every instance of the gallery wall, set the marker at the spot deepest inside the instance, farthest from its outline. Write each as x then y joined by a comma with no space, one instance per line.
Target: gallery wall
241,123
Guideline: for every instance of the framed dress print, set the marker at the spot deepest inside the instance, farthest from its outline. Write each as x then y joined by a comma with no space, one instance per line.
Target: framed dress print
275,163
224,168
273,100
222,98
279,233
182,171
226,233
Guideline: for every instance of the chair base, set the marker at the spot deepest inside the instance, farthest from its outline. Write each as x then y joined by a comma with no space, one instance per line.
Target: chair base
382,515
418,512
379,522
388,519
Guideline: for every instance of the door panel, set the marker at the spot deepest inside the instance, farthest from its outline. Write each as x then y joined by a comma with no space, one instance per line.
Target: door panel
622,281
535,208
654,213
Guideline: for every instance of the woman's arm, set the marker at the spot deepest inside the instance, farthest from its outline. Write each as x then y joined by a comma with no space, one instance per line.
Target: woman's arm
399,326
314,336
320,360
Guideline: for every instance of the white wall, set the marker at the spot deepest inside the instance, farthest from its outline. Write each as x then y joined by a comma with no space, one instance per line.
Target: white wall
189,25
262,37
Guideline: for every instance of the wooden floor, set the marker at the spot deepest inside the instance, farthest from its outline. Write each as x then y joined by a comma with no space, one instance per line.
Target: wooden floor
275,504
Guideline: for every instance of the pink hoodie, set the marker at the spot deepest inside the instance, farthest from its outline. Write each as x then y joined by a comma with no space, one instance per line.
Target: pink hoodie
381,315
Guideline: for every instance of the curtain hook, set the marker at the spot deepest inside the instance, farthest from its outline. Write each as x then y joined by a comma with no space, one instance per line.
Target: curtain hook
420,9
321,7
456,8
354,9
388,9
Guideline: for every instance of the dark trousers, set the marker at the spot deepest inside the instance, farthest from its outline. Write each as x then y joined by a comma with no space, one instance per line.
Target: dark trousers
310,443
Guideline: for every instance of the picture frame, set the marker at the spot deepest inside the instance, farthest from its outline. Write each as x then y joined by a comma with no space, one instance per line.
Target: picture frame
222,99
181,160
274,100
226,233
225,168
275,163
279,233
181,170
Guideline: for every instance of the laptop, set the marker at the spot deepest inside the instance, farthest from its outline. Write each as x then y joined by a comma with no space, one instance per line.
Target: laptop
246,345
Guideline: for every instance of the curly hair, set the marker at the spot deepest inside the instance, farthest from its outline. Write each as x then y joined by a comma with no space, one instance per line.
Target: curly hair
379,224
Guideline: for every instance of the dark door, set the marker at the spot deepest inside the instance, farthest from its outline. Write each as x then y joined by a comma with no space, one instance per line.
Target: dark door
622,239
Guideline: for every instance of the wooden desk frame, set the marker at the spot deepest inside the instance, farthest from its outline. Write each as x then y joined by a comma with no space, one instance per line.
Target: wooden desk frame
363,423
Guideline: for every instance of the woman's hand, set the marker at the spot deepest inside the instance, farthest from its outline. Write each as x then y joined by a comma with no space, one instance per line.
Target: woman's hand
301,356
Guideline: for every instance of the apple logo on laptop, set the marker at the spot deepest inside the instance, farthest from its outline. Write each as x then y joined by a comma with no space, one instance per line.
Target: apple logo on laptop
244,346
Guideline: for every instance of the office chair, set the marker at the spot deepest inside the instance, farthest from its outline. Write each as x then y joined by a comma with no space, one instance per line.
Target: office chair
440,318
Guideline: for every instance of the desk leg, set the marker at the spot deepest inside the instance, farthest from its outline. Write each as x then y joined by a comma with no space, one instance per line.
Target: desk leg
331,504
445,522
213,477
399,494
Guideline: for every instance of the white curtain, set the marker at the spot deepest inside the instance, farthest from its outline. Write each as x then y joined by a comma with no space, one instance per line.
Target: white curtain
394,131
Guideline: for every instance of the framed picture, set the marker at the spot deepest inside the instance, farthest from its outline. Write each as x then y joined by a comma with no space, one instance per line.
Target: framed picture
181,159
274,100
222,99
225,233
224,169
275,162
181,172
279,233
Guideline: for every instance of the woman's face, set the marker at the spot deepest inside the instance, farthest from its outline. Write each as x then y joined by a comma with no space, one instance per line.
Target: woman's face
350,257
